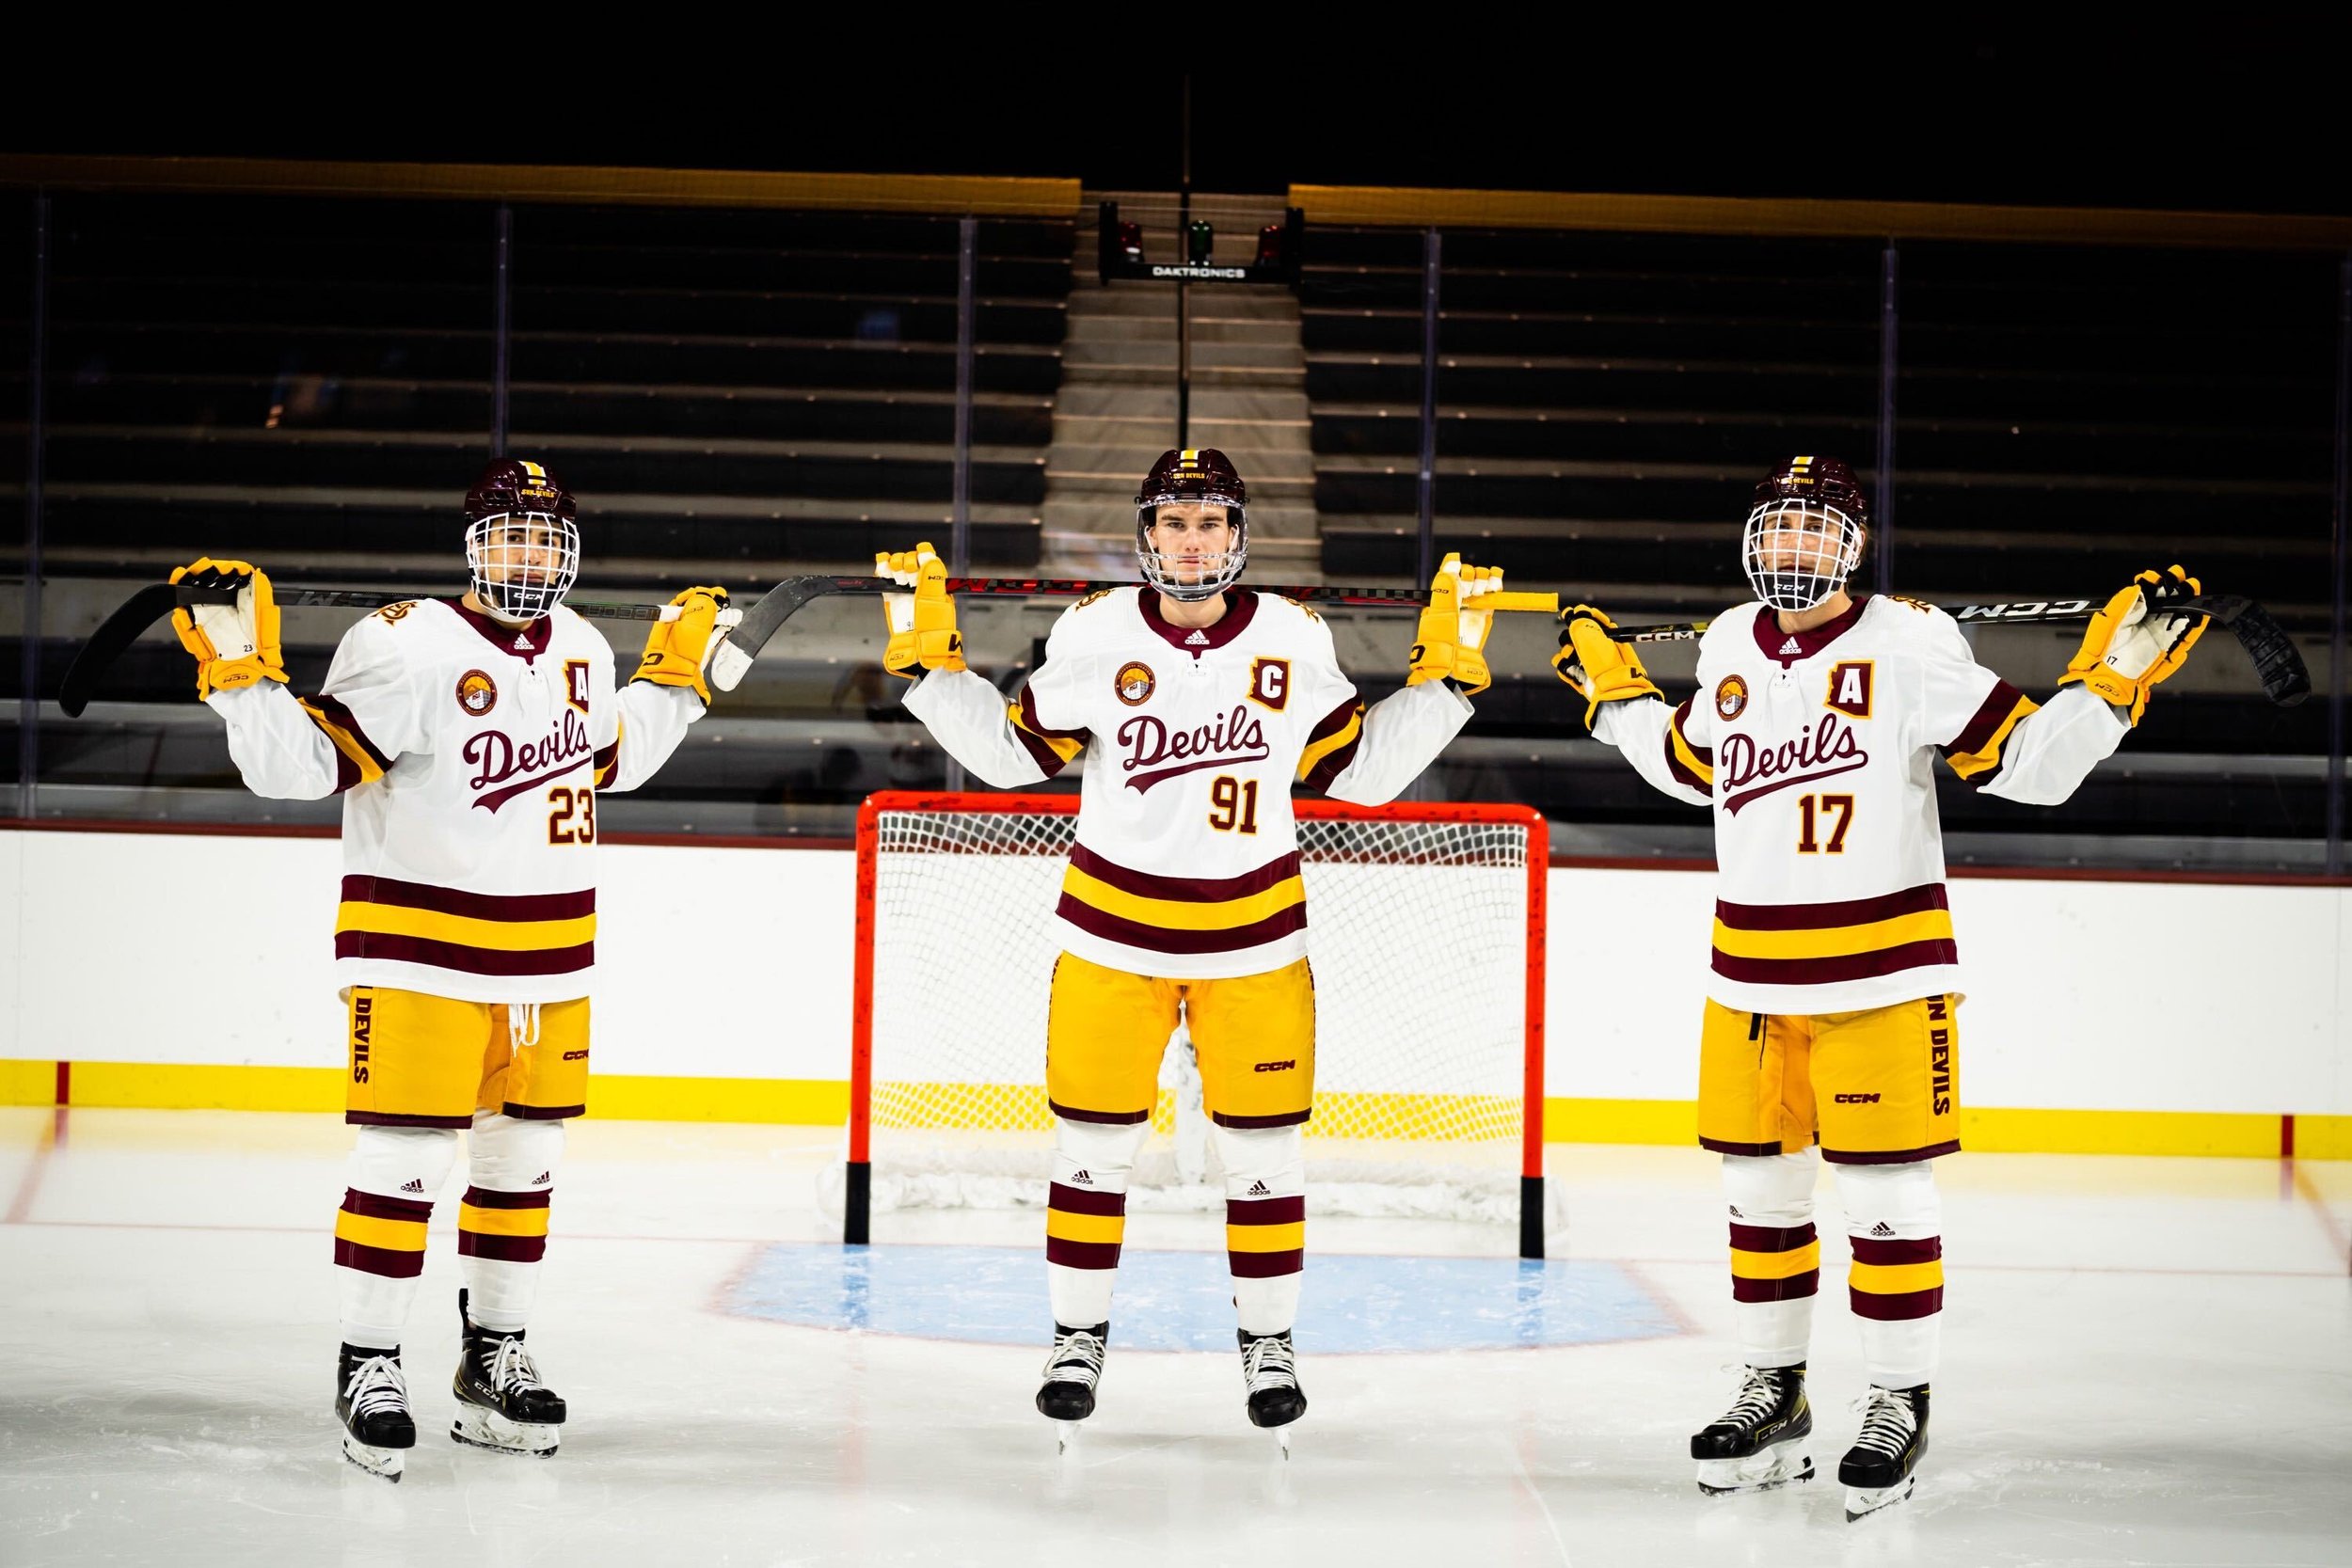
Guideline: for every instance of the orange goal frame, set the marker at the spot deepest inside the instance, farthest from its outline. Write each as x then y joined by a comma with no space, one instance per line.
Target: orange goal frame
857,1195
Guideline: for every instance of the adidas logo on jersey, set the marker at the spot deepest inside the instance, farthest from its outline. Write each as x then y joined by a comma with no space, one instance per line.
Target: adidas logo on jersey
1257,1188
1081,1180
1882,1229
1791,647
412,1185
542,1179
1198,639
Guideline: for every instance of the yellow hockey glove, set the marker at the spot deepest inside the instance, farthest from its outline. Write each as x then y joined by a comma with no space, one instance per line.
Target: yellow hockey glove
236,644
1452,630
678,650
922,634
1600,667
2132,643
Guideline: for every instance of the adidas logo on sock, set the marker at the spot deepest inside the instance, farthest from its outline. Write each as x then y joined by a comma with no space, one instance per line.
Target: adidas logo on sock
542,1179
1790,646
1882,1229
1257,1188
1198,639
1081,1180
412,1185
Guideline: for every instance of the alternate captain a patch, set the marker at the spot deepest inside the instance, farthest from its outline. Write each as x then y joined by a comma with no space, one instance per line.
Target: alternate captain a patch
1850,687
1135,683
477,693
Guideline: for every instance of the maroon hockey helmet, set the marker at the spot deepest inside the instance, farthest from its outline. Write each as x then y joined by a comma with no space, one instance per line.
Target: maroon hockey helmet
1202,475
522,538
1805,532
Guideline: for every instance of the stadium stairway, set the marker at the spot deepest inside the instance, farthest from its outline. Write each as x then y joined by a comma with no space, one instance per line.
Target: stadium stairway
1116,409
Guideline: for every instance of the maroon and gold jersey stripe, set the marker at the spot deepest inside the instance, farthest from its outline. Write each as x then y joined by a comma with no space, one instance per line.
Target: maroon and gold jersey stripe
357,761
1692,766
1331,745
1852,939
1051,748
1975,754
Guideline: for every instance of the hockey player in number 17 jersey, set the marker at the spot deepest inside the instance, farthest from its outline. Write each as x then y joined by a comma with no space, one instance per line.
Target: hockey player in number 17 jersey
1196,706
1834,979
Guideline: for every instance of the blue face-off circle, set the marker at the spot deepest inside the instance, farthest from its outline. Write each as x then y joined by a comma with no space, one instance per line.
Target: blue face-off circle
1183,1301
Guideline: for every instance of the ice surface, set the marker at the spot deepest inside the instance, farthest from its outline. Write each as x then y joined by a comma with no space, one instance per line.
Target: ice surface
2146,1361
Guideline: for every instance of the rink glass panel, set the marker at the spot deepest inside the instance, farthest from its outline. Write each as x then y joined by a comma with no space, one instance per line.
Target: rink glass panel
1424,968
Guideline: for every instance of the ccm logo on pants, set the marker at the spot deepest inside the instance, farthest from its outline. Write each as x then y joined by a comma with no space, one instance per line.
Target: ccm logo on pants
1276,1066
1857,1100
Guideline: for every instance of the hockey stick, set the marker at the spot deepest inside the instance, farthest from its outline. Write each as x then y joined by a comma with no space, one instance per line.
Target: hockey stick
760,623
2277,663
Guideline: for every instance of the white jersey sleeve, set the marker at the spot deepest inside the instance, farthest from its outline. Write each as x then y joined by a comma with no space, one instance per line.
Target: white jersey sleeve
647,722
365,719
1999,741
1007,745
1671,747
1362,754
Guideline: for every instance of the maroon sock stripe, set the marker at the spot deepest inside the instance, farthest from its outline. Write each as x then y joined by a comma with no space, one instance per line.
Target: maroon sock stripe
1082,1255
377,1206
1872,1249
1266,1210
1267,1265
1771,1238
1288,1118
1111,1119
1084,1201
1898,1307
1795,1288
483,1198
380,1260
502,1249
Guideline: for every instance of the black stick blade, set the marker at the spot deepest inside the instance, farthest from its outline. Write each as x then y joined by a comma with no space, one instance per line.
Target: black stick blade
2277,663
114,635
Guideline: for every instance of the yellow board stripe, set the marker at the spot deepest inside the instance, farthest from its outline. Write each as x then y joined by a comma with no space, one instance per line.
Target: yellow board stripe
1171,914
1775,1265
1969,764
501,1222
506,936
1832,942
391,1235
1267,1238
1895,1280
1063,1225
1312,758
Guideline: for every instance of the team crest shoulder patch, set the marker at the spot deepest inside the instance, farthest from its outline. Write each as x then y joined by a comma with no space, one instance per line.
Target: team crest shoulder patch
1135,683
477,693
1731,697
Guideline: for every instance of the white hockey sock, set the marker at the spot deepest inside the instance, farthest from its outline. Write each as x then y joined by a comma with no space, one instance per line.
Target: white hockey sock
393,1176
1894,1219
1776,1255
1266,1221
1086,1215
502,1222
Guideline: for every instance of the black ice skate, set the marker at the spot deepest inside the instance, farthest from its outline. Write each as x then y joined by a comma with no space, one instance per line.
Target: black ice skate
372,1402
1760,1442
1072,1369
502,1404
1876,1471
1269,1370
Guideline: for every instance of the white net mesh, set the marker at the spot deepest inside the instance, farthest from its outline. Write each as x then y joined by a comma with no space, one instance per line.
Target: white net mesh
1419,940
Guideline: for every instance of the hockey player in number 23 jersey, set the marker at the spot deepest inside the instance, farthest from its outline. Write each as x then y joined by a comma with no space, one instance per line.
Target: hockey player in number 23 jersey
469,739
1835,984
1196,706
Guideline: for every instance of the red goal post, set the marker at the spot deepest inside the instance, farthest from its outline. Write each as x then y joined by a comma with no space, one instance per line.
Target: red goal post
930,894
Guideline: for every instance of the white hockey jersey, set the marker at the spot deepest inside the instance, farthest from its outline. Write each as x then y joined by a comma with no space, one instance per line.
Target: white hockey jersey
1816,750
469,755
1186,861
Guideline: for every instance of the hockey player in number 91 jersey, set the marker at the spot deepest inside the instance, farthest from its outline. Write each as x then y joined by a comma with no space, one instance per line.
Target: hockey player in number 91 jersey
1835,987
469,738
1196,706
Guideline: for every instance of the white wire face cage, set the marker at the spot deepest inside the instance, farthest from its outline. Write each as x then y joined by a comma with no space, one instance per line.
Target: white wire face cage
1229,566
523,562
1798,553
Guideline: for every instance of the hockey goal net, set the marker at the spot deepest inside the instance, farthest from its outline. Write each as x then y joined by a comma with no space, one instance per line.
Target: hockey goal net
1427,931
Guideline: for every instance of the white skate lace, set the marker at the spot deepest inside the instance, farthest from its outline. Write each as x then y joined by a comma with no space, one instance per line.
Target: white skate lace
375,1387
1076,1358
1269,1363
1757,1396
1887,1422
508,1367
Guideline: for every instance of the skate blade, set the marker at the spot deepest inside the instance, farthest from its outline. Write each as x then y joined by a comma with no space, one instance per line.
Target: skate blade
1066,1438
1863,1501
1765,1471
478,1428
383,1463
